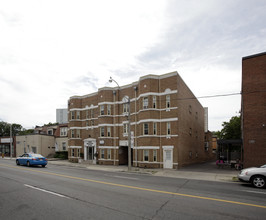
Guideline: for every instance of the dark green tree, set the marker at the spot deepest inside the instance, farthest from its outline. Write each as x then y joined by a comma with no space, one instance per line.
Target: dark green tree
231,129
5,129
26,131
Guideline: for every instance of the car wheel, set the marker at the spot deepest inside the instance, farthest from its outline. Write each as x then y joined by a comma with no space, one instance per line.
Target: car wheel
17,162
43,165
28,163
258,181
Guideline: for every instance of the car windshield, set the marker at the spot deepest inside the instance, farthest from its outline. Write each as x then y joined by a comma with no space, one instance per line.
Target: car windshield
36,155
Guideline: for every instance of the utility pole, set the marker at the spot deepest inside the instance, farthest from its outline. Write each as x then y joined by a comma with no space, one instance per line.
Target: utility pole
129,137
11,141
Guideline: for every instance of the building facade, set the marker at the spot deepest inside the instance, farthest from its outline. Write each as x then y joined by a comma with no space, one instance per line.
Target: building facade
8,146
61,115
36,143
61,139
45,140
166,124
254,109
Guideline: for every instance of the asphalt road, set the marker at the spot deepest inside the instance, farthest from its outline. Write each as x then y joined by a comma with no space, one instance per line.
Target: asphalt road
62,192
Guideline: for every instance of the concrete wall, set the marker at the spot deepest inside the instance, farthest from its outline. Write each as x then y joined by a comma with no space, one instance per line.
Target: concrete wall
45,144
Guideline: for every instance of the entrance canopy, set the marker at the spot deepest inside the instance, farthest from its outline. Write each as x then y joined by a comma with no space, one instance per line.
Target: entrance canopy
230,149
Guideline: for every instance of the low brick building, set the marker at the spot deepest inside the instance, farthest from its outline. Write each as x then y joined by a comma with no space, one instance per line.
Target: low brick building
5,146
166,123
254,109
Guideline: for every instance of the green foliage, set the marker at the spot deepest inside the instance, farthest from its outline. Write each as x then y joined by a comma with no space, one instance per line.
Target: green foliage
217,134
50,124
61,155
5,129
231,129
26,131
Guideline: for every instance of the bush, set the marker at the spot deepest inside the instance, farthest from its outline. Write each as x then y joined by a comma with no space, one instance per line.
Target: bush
61,155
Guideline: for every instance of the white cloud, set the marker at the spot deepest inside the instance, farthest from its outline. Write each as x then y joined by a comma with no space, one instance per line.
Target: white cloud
51,50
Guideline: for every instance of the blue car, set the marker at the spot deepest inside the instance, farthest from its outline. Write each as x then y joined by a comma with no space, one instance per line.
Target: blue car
30,159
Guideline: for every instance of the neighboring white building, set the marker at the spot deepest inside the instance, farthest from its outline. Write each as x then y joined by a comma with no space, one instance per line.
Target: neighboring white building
206,123
61,116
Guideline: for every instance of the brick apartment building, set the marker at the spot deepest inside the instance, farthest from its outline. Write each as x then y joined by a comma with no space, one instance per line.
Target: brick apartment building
166,123
254,109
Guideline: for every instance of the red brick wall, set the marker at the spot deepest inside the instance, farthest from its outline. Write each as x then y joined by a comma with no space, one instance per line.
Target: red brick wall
254,109
180,102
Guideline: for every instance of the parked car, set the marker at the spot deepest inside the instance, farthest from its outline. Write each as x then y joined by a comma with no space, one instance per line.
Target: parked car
31,159
254,175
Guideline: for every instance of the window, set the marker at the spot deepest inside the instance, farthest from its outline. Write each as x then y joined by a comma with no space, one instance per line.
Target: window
63,145
145,128
102,153
72,152
145,102
109,154
108,109
125,128
34,149
102,131
87,114
190,131
190,109
78,133
125,108
101,109
168,132
168,101
146,155
78,152
154,101
78,114
206,146
50,132
72,115
154,155
92,113
72,133
63,131
108,131
154,128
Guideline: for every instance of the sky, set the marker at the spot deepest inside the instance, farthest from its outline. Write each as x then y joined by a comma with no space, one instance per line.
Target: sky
51,50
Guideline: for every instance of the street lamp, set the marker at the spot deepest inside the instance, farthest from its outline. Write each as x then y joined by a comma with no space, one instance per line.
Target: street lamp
129,130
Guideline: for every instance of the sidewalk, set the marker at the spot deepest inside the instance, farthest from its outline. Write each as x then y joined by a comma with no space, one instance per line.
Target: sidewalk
205,171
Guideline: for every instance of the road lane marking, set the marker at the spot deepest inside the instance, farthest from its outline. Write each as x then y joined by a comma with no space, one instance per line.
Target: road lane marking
140,188
46,191
253,191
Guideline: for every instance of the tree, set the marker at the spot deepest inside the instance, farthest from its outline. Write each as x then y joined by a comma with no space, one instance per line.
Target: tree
26,131
231,129
5,129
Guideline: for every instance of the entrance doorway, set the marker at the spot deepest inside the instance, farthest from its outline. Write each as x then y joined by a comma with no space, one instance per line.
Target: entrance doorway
168,157
90,153
123,155
89,150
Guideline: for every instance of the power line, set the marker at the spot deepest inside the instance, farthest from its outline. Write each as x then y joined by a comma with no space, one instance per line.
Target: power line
222,95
